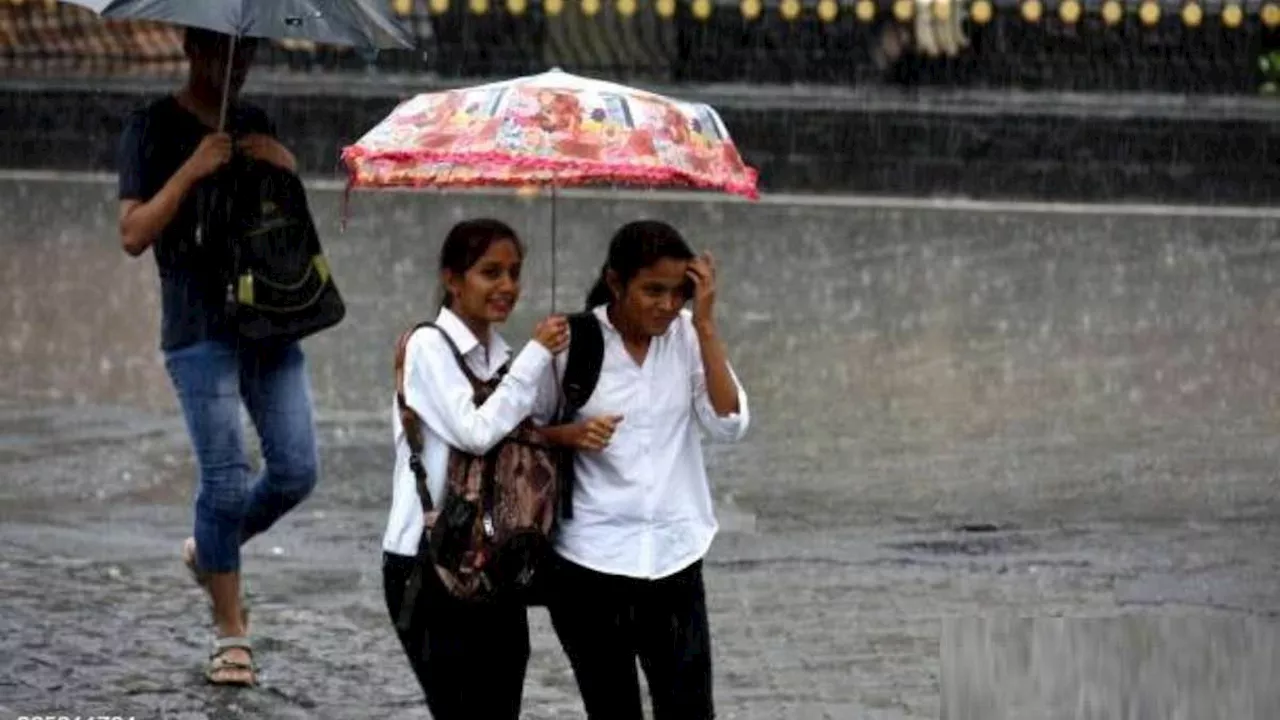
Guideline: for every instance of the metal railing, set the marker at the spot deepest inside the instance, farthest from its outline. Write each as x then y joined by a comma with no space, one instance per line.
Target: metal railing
1189,46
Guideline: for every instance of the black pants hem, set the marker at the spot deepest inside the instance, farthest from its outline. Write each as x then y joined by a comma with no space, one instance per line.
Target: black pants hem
469,658
606,622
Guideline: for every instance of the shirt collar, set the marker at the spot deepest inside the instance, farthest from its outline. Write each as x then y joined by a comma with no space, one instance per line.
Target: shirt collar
602,314
466,340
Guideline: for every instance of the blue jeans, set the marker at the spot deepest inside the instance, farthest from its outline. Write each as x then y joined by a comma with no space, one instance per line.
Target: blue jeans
211,379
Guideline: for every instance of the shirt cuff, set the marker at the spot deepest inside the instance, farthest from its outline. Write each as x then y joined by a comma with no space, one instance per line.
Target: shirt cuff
529,365
731,427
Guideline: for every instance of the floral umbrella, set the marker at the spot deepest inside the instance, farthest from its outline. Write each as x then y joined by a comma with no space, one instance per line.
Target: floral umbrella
550,129
553,129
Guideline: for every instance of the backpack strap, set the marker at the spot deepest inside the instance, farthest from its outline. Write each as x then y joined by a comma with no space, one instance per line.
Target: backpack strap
476,382
582,367
409,419
412,425
581,373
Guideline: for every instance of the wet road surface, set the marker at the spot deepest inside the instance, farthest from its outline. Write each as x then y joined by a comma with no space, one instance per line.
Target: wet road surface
1092,394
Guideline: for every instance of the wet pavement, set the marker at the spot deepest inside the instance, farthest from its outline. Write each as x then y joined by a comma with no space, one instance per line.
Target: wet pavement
1092,393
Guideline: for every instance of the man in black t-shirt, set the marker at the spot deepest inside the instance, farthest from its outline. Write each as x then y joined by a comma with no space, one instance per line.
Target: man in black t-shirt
169,152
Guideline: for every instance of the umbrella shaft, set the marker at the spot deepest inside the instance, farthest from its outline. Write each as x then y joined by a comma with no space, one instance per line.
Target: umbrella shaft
226,83
553,247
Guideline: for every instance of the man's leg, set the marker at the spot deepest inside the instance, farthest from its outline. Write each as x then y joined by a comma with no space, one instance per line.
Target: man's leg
277,392
591,614
206,378
675,646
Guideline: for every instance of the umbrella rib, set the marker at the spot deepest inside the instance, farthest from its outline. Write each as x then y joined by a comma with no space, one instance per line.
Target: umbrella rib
347,22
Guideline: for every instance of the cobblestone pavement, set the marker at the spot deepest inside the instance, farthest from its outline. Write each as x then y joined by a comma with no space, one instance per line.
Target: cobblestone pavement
811,620
1090,390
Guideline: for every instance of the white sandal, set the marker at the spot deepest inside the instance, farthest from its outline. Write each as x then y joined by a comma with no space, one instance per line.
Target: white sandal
219,663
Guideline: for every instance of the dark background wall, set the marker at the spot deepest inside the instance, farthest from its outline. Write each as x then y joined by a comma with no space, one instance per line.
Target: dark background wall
928,143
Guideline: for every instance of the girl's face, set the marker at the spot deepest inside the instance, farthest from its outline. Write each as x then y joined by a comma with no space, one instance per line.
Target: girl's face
488,290
652,299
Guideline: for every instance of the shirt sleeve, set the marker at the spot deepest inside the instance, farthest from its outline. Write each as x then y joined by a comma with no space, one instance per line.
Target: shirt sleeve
549,393
132,161
727,428
438,390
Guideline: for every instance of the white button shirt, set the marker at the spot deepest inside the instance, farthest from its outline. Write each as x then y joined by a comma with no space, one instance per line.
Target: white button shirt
642,507
436,388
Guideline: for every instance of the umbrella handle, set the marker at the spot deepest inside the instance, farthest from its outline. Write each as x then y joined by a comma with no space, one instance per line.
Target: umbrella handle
555,371
226,84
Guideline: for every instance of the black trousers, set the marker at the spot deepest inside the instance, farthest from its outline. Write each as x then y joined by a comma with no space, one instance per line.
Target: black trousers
605,622
469,658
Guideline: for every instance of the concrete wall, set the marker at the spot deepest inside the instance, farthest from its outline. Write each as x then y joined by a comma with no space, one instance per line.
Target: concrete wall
903,362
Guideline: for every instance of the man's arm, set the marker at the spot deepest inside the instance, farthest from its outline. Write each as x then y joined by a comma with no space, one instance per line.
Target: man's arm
142,221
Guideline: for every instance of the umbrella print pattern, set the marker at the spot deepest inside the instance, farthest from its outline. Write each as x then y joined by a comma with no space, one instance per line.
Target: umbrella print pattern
549,128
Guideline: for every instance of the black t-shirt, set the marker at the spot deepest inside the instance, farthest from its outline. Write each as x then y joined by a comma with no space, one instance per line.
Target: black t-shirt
156,141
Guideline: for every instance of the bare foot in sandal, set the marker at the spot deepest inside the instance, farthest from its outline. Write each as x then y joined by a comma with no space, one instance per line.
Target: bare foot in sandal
201,578
231,663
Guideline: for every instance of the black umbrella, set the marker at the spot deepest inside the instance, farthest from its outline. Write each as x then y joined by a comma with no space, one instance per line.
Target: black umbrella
357,23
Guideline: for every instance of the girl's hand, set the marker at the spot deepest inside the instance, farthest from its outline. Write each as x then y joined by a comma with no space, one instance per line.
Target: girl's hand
553,334
702,272
596,433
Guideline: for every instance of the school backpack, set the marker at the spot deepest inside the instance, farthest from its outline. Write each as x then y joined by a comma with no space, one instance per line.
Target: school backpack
491,533
479,561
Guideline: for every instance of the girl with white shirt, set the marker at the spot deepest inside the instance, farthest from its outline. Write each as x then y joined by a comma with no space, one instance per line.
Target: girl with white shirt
470,658
630,578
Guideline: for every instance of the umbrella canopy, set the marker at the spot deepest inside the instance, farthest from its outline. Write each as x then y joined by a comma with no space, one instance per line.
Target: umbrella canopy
359,23
553,128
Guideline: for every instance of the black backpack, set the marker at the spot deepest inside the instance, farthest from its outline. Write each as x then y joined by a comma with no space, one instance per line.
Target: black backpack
581,373
279,288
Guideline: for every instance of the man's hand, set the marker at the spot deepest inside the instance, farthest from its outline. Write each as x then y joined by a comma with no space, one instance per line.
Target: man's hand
212,153
269,150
